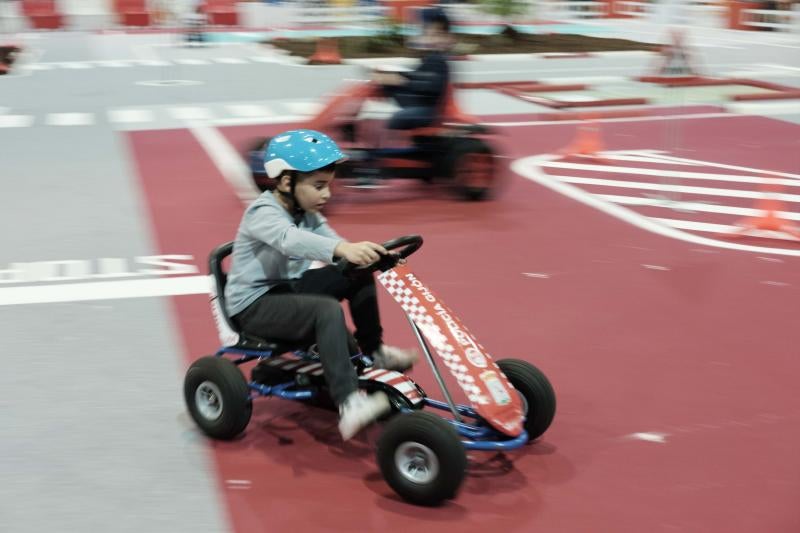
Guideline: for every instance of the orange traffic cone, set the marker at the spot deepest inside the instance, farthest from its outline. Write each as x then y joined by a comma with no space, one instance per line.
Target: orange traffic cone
327,53
770,220
587,142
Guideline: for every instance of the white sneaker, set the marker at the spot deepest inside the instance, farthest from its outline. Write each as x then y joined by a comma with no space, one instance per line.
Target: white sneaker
361,409
393,358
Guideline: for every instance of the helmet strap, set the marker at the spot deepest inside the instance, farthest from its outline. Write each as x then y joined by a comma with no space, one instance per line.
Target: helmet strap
296,211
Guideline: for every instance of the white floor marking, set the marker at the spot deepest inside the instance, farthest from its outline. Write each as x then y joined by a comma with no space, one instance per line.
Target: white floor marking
665,158
169,83
776,107
660,438
249,110
283,119
70,119
153,62
15,121
693,206
229,162
131,115
535,275
104,290
191,61
529,167
230,60
654,118
655,267
190,113
672,173
303,108
77,65
782,67
685,189
112,63
724,228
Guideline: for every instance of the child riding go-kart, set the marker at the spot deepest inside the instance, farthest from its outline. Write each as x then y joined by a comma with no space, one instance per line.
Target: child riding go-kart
421,455
454,150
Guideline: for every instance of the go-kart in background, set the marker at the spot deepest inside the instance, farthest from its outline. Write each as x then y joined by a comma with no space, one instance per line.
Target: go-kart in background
675,364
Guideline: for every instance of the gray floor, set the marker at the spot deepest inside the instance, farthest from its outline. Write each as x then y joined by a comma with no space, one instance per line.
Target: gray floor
94,437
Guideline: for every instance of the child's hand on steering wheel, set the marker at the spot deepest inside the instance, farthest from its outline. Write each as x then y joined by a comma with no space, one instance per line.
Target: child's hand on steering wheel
360,253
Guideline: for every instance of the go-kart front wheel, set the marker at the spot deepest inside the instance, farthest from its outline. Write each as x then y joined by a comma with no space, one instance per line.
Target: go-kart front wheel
217,397
538,397
472,167
421,457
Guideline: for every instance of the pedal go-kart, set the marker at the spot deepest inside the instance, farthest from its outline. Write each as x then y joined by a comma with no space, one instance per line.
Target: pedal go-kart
456,150
421,455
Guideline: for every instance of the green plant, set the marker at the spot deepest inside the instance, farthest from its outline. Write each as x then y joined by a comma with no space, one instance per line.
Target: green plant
388,37
505,9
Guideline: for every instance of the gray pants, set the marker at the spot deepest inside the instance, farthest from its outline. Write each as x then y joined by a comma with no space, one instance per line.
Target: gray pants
308,310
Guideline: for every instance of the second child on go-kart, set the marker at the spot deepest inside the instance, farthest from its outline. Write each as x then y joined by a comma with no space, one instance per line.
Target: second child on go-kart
273,292
420,92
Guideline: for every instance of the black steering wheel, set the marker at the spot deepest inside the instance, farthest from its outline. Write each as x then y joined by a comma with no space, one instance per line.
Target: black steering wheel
404,247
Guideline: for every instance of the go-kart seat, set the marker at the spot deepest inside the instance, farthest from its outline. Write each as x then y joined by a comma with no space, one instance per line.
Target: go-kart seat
246,340
450,117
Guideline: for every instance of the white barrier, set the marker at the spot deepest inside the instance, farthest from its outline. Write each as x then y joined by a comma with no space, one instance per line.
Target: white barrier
571,10
787,21
713,15
634,8
87,14
11,18
327,15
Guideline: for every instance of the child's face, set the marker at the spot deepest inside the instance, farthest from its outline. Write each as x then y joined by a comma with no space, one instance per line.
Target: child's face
312,190
434,37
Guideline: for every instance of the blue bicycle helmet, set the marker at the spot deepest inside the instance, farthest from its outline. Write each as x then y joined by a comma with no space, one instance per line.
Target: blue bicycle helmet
300,150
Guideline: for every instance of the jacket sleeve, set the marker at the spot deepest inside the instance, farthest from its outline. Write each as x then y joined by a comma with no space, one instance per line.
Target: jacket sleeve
267,224
321,227
430,78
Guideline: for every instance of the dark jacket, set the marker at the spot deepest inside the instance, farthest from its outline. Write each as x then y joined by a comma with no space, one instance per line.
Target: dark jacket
429,80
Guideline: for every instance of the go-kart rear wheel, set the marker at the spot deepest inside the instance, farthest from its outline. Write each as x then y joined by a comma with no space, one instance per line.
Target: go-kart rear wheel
471,166
217,397
421,457
538,397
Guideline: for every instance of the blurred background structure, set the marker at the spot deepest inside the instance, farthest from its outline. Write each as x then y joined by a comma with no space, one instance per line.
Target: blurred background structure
640,246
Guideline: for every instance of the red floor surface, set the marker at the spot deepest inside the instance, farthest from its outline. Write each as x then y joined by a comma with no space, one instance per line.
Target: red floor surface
703,350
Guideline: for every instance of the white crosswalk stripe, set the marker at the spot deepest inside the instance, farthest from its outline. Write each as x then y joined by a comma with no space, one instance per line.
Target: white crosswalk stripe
153,62
191,61
76,65
684,189
720,228
190,113
15,121
692,206
131,115
230,60
249,110
663,196
69,119
113,64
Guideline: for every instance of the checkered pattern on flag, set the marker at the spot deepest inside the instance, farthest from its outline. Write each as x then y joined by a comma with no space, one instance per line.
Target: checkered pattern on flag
485,385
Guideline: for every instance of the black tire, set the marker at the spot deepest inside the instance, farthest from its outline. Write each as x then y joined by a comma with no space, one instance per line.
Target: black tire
424,439
228,406
470,181
537,392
